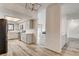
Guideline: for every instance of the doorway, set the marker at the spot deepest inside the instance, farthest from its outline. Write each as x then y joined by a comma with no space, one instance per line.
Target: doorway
73,34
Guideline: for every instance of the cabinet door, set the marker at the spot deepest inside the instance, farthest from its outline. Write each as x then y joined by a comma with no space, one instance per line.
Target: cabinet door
22,26
30,24
29,38
23,37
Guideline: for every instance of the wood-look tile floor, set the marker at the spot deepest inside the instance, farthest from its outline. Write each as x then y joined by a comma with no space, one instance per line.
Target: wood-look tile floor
18,48
73,48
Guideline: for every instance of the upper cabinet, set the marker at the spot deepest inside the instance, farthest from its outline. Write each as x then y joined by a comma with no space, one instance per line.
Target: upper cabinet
31,24
22,26
27,26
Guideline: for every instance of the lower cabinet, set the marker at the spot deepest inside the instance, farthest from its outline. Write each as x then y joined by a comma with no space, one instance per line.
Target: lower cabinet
12,35
27,38
23,37
43,40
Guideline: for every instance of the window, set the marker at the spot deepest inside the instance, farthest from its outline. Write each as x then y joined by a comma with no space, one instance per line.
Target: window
10,27
21,27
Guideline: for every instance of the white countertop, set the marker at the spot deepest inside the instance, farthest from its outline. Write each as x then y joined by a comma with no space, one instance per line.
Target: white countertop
29,31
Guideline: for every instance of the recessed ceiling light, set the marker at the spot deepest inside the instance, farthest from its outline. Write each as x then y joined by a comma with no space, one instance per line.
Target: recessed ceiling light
12,19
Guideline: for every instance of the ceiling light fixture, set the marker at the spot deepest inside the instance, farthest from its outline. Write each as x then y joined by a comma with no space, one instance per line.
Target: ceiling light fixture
32,6
12,19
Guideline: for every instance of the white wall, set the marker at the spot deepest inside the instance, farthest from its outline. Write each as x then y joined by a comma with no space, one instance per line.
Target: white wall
53,41
63,28
42,18
73,28
41,25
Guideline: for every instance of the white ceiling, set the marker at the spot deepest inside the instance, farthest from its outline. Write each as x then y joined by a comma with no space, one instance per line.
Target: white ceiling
71,7
71,10
18,8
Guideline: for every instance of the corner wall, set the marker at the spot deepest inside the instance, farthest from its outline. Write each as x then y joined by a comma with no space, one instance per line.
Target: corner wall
53,41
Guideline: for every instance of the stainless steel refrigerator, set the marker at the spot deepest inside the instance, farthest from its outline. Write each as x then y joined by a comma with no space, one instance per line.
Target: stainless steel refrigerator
3,36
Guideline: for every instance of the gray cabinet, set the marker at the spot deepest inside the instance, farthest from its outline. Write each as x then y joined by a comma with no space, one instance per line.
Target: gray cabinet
30,24
23,37
27,31
29,38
